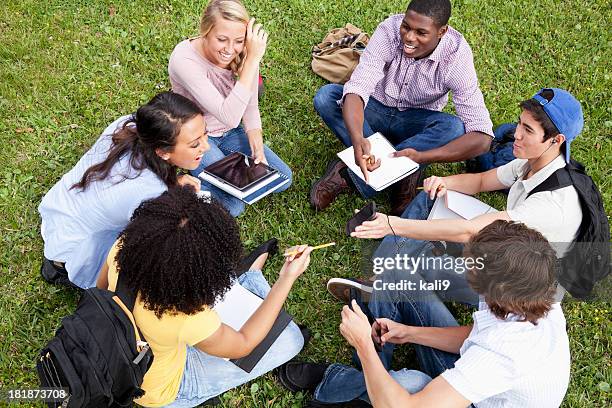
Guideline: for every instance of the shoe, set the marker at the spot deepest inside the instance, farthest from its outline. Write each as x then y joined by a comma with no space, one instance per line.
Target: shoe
403,192
340,288
301,376
356,403
325,190
270,246
305,333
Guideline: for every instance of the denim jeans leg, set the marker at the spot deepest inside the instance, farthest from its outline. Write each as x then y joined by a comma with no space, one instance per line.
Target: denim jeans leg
414,307
236,140
207,376
423,129
325,103
343,383
228,201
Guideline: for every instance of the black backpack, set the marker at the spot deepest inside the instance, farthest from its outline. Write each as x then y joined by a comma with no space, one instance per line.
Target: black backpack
588,259
96,354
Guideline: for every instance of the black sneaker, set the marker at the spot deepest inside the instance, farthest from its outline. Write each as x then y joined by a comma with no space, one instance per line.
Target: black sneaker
301,376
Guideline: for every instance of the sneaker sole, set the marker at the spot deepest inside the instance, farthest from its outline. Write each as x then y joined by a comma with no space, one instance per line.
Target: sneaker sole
337,286
328,170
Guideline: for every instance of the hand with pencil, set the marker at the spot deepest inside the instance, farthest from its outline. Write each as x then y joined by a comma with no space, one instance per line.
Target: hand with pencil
364,159
297,259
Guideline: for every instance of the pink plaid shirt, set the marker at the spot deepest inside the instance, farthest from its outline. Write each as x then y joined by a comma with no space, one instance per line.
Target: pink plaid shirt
450,68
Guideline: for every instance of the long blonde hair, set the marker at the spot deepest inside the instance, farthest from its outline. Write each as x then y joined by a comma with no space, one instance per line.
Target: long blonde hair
232,10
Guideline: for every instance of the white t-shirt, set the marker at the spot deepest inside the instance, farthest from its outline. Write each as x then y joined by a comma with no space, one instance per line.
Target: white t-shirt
507,363
79,227
555,214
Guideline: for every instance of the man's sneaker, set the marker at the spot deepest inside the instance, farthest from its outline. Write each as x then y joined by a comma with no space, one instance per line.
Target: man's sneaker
340,288
325,190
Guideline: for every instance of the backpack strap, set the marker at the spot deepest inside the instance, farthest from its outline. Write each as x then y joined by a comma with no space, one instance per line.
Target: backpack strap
559,179
125,294
128,298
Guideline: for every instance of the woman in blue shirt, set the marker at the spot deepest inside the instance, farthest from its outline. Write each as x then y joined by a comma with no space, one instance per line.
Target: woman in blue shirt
136,158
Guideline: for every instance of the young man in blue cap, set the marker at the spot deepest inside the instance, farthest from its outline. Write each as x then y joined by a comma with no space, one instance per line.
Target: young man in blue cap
547,125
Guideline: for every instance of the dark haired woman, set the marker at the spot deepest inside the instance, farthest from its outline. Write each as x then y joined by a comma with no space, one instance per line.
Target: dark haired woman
136,158
177,254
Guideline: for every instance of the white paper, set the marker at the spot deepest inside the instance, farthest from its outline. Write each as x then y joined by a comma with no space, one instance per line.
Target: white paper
391,169
237,306
440,211
466,206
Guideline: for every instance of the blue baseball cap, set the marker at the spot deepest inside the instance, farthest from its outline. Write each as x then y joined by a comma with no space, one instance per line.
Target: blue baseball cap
565,112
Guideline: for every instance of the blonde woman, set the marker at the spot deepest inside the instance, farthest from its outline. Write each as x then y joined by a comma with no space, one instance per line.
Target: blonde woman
219,71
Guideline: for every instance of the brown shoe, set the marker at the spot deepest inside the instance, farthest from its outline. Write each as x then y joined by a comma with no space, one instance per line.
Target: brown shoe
403,192
325,190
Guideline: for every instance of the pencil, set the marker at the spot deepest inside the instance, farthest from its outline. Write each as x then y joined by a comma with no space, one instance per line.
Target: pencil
313,248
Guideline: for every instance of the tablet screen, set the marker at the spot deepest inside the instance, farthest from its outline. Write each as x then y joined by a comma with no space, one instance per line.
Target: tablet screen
239,170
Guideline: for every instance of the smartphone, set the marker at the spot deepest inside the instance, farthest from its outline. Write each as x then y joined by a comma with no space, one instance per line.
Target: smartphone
366,310
367,213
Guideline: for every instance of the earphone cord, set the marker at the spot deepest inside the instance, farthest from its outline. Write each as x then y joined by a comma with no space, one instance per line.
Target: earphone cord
395,236
541,154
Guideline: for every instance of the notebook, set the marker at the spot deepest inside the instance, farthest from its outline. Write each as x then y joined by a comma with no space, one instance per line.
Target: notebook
238,175
456,205
391,169
236,308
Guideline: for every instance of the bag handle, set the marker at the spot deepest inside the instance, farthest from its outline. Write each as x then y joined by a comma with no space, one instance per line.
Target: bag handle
345,41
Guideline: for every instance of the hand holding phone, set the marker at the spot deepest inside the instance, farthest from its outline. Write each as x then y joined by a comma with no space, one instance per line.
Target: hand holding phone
367,213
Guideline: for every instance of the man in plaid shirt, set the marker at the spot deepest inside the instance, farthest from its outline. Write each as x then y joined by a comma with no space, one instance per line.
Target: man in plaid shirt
399,88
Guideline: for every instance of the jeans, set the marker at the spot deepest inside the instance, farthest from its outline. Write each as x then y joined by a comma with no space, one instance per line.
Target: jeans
207,376
420,129
235,140
433,268
342,383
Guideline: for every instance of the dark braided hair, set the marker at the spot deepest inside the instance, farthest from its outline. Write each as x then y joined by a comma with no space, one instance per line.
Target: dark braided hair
158,124
179,252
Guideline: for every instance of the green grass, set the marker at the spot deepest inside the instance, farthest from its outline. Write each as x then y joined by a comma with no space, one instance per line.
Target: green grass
68,68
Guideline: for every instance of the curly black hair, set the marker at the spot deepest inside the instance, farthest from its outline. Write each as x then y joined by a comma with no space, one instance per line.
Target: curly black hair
179,252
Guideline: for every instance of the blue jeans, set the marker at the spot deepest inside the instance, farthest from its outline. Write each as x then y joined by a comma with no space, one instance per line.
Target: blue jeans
420,129
207,376
235,140
438,268
342,383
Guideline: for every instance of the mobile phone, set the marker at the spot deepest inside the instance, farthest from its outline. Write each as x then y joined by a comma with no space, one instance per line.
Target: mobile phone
367,213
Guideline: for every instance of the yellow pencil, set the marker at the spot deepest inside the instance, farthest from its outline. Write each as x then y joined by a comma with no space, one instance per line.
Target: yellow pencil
315,247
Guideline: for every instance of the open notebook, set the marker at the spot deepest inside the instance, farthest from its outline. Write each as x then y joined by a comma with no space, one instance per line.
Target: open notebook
236,308
391,169
456,205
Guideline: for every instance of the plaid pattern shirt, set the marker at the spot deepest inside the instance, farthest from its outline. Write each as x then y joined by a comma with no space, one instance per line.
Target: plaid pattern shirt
389,76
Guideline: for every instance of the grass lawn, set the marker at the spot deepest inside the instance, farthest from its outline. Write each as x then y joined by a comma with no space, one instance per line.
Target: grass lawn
70,67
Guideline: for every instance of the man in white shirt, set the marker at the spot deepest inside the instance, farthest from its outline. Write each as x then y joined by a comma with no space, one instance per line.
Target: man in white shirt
515,354
548,123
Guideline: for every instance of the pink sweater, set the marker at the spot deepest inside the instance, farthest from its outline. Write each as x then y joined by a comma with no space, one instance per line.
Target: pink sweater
215,90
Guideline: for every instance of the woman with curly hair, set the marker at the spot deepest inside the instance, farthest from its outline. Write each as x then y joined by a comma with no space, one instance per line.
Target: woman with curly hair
219,72
178,255
136,158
